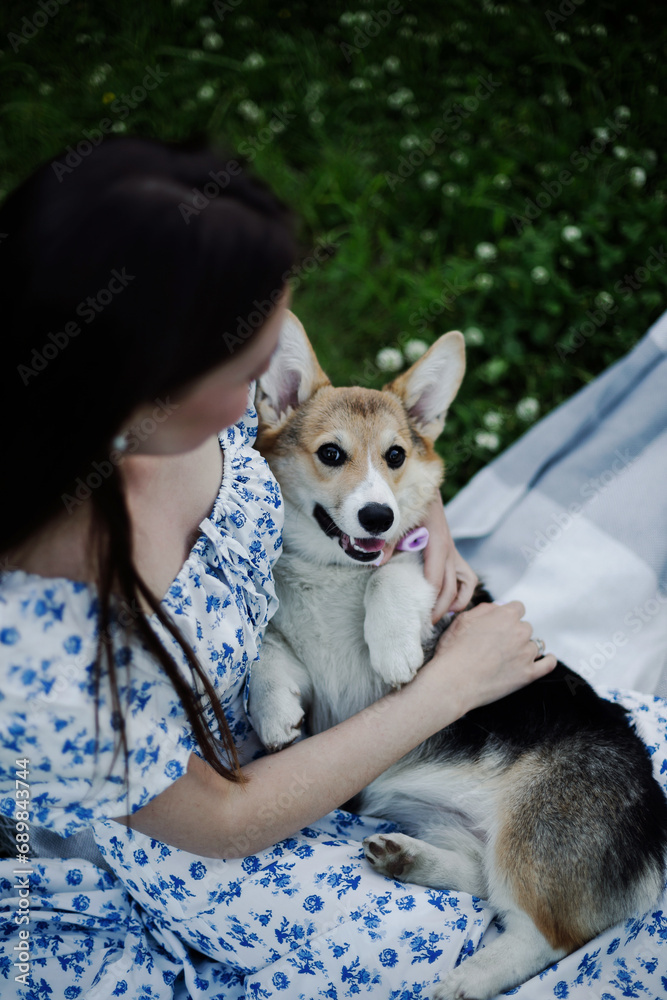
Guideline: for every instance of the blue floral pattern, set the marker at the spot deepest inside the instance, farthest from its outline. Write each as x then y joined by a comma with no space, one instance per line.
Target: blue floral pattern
306,918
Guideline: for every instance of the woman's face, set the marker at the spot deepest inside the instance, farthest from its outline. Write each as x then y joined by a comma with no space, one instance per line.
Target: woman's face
213,401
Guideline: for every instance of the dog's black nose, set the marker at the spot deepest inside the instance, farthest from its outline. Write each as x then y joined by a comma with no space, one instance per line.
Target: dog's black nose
376,517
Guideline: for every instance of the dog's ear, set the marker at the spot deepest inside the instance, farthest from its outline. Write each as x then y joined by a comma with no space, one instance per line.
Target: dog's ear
428,388
293,375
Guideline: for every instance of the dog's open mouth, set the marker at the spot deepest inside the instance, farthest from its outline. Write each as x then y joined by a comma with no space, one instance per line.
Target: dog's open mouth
361,549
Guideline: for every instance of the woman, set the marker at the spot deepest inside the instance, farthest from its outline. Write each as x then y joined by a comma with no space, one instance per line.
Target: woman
138,543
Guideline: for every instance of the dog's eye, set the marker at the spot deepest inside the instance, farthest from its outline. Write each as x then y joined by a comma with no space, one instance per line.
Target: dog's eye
395,457
331,454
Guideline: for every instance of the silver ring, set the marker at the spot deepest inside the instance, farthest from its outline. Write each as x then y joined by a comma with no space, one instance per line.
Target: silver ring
540,647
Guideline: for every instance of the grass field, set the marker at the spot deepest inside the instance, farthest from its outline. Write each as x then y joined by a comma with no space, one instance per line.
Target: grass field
493,168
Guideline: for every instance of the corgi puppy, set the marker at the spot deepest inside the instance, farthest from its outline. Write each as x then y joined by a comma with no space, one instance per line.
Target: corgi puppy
544,802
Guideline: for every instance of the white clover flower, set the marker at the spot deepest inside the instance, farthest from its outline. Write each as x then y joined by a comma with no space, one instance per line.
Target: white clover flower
651,89
544,169
546,99
622,112
484,281
254,60
604,300
638,177
409,141
428,235
212,41
99,75
621,152
195,54
206,23
598,29
358,83
429,180
392,64
411,110
564,97
539,275
527,408
400,97
451,190
649,156
487,439
250,111
493,420
205,92
405,32
458,156
566,261
561,37
502,181
601,133
45,88
414,349
486,251
571,233
473,336
244,22
347,19
389,359
119,127
315,118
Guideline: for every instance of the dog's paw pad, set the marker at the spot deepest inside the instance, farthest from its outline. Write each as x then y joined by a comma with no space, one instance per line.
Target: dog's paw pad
390,855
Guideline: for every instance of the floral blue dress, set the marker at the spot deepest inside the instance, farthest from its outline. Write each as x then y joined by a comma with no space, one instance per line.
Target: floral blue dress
305,918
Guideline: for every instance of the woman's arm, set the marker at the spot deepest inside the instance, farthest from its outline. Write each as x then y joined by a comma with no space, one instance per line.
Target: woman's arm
484,655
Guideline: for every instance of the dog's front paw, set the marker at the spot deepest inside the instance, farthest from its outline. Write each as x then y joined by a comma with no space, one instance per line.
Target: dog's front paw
456,986
395,656
279,720
393,854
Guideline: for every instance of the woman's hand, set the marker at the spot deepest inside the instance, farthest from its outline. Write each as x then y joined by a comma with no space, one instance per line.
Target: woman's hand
498,651
450,575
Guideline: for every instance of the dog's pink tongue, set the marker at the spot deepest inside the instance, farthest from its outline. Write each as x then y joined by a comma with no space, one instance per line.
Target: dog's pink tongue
367,544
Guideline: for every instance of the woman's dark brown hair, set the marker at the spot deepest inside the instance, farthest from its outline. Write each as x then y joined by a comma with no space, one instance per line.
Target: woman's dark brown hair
123,278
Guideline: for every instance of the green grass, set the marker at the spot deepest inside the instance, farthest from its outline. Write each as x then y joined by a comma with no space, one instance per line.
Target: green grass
405,264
